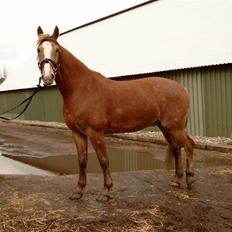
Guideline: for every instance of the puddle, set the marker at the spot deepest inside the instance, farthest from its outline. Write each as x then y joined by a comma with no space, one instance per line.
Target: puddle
10,166
120,160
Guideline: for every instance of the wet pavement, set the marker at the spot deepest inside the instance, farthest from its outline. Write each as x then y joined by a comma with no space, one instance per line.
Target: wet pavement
143,200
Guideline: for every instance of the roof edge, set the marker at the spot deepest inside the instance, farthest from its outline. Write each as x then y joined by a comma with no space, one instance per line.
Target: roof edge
131,76
109,16
156,73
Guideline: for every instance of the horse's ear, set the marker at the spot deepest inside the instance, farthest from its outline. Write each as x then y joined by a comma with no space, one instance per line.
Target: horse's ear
39,31
56,33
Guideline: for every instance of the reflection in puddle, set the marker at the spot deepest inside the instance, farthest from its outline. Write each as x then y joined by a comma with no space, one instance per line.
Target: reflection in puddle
120,160
9,167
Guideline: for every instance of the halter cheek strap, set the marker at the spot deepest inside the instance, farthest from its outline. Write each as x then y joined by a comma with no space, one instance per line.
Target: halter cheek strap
54,66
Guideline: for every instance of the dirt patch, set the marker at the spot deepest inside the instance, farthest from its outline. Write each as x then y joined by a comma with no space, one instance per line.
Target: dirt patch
143,200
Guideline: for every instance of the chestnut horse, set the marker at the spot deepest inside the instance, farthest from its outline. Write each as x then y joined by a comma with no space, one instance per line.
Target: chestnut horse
94,106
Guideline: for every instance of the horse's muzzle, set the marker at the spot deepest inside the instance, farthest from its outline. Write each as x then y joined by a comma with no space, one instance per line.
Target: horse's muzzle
48,80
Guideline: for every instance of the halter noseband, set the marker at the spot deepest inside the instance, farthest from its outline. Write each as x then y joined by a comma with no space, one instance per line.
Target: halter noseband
54,66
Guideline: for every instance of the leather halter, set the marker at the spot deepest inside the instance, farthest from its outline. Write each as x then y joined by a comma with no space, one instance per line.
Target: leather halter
54,66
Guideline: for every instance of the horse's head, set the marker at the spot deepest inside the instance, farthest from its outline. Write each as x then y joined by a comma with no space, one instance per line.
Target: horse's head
48,55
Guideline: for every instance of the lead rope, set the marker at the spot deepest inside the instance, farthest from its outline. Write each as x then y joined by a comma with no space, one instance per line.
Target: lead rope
28,100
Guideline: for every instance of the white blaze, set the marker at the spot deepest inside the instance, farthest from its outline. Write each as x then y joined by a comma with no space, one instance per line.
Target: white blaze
47,54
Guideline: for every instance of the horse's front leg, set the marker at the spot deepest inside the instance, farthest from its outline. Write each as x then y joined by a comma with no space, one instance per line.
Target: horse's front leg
98,142
81,146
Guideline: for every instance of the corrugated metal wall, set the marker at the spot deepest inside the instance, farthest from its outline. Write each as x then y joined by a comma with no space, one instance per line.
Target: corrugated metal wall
218,101
209,88
45,106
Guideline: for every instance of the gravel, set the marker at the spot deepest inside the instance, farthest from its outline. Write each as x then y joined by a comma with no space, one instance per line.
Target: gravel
222,144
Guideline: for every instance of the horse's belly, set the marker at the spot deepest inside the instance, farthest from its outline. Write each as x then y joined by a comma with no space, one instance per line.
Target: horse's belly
129,125
133,117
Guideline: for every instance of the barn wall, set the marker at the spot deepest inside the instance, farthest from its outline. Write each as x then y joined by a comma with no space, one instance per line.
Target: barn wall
153,37
45,106
210,99
218,101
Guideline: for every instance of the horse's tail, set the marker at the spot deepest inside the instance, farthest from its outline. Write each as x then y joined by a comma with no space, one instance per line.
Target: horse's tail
191,140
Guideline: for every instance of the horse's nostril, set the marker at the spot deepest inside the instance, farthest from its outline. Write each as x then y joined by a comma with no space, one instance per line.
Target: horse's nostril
48,80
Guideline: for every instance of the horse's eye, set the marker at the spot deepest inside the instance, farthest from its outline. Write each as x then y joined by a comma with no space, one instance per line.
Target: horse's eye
38,50
57,50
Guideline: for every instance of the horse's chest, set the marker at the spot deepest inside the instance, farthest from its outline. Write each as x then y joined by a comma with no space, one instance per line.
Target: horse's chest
74,121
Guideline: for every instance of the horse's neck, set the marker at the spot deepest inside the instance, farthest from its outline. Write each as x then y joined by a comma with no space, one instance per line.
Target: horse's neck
73,74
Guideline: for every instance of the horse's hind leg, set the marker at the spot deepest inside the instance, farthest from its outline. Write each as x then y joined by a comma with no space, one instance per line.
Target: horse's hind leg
182,139
81,145
98,142
178,167
189,161
174,151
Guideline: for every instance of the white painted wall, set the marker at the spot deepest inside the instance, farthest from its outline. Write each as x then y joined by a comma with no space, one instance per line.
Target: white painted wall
163,35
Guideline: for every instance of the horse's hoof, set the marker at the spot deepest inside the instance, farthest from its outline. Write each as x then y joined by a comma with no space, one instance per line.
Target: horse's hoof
175,184
104,197
76,196
189,181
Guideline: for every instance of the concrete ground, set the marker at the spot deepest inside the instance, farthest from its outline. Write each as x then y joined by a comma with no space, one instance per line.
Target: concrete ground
142,200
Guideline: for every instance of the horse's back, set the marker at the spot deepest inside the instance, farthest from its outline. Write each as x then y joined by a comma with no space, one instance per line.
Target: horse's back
152,89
